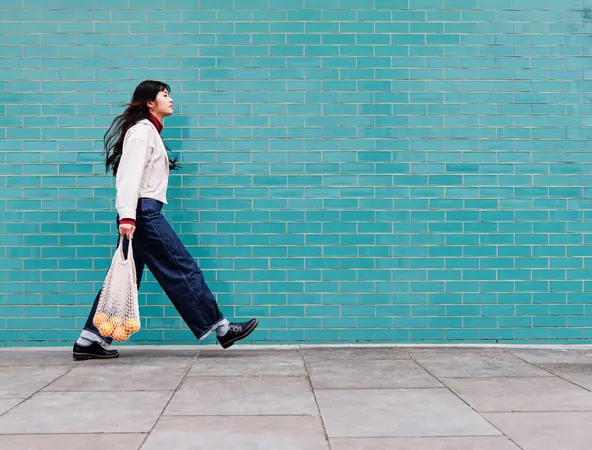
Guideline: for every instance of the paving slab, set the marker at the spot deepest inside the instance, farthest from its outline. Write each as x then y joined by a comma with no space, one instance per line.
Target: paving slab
23,381
353,353
580,374
521,394
215,351
440,443
363,374
263,363
550,356
149,354
72,442
370,397
546,431
37,357
398,413
85,412
244,433
452,362
226,396
138,376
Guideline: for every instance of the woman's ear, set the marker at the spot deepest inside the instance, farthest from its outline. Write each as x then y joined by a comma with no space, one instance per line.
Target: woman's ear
150,105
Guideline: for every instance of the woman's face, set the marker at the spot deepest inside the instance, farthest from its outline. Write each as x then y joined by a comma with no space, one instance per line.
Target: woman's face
162,106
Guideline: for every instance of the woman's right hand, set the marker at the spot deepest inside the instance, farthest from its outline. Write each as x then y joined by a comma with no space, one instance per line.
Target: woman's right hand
126,230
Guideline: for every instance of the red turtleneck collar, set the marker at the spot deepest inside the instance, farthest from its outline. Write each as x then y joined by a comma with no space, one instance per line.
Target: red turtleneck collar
152,118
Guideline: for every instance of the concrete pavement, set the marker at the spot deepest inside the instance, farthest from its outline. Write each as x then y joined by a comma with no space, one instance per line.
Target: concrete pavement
298,398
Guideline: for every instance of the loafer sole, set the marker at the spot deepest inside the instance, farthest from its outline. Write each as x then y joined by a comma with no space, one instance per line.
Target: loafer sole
87,356
242,336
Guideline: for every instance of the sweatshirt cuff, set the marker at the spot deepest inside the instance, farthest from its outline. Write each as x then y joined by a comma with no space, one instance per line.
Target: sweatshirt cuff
126,213
127,222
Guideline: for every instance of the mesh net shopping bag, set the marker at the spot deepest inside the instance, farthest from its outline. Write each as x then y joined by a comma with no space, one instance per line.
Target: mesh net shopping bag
118,312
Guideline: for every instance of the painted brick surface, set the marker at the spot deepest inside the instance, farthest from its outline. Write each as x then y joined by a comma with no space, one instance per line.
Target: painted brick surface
353,170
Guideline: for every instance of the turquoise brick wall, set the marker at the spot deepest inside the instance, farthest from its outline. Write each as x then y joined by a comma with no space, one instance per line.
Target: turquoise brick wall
353,170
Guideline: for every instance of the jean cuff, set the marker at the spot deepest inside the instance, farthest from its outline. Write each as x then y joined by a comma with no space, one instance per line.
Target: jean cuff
221,322
94,337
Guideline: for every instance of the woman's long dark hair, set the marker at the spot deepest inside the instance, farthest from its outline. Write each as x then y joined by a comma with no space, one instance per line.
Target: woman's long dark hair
136,110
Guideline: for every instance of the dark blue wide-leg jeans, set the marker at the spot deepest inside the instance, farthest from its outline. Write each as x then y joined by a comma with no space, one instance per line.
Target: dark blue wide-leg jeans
157,246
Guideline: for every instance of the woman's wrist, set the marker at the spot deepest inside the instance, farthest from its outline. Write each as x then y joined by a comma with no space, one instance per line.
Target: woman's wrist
127,222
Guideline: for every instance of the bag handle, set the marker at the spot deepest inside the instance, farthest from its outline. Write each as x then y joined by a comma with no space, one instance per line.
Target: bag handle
130,257
130,252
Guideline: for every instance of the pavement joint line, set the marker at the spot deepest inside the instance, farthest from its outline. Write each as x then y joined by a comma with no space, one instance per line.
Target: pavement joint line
413,436
469,406
419,388
168,402
537,412
553,374
239,415
579,411
86,433
314,394
36,392
105,390
246,376
517,377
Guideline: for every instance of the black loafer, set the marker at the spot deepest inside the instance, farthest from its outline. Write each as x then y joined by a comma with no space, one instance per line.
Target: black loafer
93,351
237,331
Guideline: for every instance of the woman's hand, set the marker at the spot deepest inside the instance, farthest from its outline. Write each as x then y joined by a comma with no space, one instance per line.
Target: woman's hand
126,230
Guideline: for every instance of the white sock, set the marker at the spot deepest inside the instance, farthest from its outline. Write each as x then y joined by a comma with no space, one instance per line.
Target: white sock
84,342
222,328
87,338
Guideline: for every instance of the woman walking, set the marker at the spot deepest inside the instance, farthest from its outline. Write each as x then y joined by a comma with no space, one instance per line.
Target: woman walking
138,158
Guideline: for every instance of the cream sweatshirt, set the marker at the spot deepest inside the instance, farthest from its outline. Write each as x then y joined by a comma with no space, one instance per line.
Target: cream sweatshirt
143,169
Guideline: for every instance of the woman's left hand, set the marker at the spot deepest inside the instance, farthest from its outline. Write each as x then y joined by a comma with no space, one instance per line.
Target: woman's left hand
126,230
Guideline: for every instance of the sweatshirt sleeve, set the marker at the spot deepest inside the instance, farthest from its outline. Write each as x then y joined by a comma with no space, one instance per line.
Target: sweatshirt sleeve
135,155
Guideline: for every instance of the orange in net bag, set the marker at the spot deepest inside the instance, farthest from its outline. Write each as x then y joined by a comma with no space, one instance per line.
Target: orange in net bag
118,312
